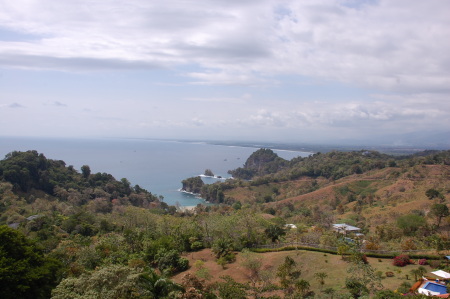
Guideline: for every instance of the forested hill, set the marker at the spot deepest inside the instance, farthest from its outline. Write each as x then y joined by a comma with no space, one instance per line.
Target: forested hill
265,168
331,165
261,162
31,172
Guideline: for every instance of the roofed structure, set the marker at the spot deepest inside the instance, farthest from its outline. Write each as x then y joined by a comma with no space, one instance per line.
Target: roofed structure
343,228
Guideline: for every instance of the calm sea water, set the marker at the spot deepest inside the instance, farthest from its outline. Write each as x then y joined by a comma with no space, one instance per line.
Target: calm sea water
158,166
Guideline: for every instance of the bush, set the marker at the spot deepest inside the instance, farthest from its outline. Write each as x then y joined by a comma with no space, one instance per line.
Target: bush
423,262
183,264
364,259
404,287
435,264
401,260
196,245
169,261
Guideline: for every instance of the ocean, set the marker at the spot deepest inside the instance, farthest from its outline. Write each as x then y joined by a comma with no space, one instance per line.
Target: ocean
158,166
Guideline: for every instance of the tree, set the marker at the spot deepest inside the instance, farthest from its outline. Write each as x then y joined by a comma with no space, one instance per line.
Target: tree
320,276
85,171
222,247
230,289
115,282
388,294
356,287
302,286
274,232
418,272
170,262
159,287
288,274
330,292
253,264
362,279
410,223
432,193
223,250
24,270
195,288
439,211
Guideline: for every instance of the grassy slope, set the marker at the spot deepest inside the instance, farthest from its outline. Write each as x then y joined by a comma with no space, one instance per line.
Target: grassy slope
309,262
395,191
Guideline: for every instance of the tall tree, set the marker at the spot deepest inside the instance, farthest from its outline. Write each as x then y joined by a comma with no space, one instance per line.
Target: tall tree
362,277
439,211
85,171
288,274
24,270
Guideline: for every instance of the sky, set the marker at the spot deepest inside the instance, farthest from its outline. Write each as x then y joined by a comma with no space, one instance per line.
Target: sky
269,70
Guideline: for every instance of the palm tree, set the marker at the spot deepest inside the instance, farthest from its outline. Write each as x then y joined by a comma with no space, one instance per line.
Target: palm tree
418,272
160,287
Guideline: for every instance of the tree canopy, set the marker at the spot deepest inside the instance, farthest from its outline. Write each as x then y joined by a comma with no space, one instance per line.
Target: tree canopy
24,271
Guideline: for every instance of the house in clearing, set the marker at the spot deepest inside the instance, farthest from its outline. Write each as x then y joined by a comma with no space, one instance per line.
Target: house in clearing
344,228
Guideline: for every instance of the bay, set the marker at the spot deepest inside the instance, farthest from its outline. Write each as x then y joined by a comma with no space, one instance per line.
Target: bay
158,166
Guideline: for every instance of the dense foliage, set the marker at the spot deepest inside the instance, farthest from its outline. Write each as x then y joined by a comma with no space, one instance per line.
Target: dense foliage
263,161
193,184
24,270
331,165
115,240
28,171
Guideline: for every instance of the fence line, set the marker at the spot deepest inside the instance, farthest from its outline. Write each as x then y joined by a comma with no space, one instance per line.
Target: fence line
319,246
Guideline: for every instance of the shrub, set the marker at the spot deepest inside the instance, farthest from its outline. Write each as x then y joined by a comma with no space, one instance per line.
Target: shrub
401,260
183,264
404,287
423,262
435,264
170,262
364,259
196,245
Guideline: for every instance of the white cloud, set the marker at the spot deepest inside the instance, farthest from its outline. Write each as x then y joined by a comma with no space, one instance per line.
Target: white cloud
395,45
231,60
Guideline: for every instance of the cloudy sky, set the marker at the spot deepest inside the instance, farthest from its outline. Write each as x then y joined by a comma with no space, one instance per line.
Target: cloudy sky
273,70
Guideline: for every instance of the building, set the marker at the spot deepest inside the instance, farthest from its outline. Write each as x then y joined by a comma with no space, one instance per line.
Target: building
344,228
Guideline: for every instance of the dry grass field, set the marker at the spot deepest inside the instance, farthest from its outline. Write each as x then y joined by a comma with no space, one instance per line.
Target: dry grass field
309,262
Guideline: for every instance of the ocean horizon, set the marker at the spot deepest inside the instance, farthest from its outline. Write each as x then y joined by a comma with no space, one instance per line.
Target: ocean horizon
158,166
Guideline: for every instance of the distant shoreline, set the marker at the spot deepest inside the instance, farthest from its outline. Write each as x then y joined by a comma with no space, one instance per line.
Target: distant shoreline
314,148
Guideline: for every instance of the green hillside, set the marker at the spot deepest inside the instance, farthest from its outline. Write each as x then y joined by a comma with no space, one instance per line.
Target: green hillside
101,237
